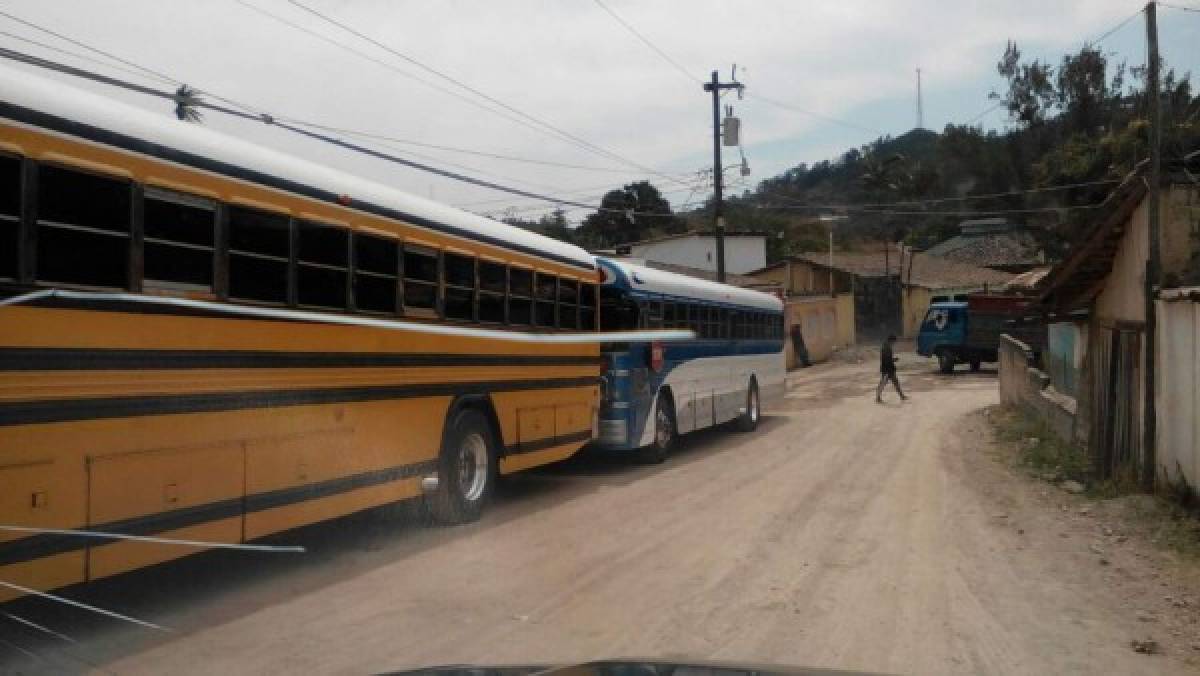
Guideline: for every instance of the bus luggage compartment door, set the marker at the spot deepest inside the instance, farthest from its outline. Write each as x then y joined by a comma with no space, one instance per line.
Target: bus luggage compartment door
189,493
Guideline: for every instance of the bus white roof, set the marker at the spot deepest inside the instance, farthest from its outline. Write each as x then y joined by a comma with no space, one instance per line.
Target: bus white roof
651,280
38,93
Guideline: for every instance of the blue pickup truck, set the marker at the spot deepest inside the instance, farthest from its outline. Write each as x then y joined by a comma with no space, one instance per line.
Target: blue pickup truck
968,332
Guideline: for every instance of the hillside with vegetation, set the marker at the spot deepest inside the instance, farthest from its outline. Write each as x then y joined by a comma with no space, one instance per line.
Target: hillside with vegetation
1081,123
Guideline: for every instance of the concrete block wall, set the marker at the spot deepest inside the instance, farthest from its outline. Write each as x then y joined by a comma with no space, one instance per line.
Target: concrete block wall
1028,388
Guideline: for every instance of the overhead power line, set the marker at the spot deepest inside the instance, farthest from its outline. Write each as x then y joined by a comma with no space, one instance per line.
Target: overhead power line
980,116
82,57
749,94
491,99
280,123
655,48
130,67
956,212
958,198
796,109
148,71
1181,7
400,71
465,151
1117,27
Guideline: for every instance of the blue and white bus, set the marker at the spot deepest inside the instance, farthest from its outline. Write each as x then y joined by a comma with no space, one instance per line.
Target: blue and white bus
655,392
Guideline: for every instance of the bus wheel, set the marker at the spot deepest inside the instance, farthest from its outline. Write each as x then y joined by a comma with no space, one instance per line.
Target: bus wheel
748,420
467,469
945,362
975,366
665,432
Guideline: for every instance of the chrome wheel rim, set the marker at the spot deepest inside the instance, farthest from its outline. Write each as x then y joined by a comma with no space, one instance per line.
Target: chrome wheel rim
753,405
472,467
662,428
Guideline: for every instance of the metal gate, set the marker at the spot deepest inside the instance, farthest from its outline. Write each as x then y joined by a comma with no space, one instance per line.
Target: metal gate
1116,434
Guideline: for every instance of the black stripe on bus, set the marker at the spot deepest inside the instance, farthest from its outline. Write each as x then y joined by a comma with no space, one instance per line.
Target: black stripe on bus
94,408
287,496
548,442
88,359
111,138
50,544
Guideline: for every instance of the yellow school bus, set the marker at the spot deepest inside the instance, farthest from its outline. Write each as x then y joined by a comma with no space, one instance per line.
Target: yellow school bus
205,339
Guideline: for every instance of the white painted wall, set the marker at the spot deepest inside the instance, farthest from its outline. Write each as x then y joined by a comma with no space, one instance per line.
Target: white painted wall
1177,401
742,254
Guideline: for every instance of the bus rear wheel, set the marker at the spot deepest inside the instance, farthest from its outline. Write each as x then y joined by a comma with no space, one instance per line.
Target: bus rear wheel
467,469
748,420
665,432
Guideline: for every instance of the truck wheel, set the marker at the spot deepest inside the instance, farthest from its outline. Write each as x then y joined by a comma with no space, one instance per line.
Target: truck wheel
748,420
467,468
945,362
975,366
665,432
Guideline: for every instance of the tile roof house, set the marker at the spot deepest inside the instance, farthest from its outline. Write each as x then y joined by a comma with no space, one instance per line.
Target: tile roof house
992,243
892,289
1098,297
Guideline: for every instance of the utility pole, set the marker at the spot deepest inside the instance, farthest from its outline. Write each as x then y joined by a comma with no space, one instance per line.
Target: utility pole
920,108
716,86
1150,422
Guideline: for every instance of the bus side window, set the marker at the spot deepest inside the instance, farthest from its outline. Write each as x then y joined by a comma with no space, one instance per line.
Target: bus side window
179,239
420,280
587,307
520,299
617,311
493,284
376,274
546,293
322,264
259,252
459,299
10,215
653,314
83,228
568,304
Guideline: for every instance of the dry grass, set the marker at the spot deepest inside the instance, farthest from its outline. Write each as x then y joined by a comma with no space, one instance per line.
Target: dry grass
1168,519
1038,448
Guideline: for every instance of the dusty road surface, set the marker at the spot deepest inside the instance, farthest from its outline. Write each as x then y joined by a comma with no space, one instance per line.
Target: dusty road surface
842,533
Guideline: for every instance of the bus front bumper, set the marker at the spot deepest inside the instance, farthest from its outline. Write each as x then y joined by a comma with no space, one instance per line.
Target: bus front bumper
613,433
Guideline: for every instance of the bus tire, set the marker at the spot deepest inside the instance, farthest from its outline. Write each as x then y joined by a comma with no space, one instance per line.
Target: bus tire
748,420
665,431
945,361
975,365
467,469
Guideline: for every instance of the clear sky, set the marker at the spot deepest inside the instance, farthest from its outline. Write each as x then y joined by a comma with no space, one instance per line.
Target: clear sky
571,64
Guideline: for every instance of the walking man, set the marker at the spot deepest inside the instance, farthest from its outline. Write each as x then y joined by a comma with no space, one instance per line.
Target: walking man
887,369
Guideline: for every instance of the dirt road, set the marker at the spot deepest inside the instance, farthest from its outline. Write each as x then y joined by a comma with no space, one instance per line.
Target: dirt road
843,533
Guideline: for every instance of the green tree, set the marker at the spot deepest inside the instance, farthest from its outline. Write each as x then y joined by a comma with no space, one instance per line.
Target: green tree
629,214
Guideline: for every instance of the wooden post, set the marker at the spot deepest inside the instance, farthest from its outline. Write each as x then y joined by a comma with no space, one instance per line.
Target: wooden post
1150,421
